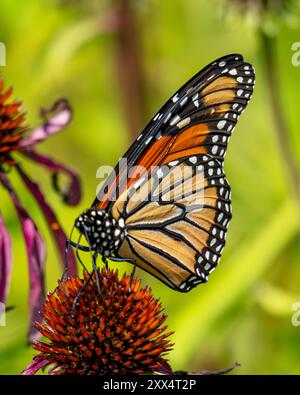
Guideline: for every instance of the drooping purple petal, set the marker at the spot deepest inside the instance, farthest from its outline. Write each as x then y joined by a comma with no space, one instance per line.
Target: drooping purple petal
36,254
53,223
164,367
55,119
35,366
72,193
5,261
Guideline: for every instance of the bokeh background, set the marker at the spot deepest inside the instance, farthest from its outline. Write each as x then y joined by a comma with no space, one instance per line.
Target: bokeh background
117,62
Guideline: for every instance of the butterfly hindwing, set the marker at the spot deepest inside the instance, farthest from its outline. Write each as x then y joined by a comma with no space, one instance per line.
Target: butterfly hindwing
176,220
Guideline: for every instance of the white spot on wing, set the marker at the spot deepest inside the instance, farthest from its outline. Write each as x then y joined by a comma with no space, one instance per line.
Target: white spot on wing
175,120
175,98
214,149
221,124
158,135
167,117
183,101
148,140
195,99
184,122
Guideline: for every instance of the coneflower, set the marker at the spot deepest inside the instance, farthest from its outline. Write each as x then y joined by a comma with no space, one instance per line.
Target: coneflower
119,330
17,140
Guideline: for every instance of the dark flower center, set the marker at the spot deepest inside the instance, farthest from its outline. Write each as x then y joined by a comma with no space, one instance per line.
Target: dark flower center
11,126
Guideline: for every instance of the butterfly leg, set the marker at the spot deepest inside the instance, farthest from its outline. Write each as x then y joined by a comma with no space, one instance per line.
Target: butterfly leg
66,265
94,261
132,273
70,243
104,260
115,259
131,260
78,246
80,293
95,269
78,256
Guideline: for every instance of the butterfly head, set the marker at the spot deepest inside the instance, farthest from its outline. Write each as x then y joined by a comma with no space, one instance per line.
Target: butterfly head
102,232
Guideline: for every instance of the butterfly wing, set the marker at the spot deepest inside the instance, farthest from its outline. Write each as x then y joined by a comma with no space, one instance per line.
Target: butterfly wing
178,237
176,220
198,119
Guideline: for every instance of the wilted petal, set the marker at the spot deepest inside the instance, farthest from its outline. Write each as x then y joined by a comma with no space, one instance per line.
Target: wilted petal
164,367
35,366
5,261
55,119
54,225
72,193
36,254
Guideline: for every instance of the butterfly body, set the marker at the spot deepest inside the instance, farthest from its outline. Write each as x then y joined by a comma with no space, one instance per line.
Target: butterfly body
174,204
104,233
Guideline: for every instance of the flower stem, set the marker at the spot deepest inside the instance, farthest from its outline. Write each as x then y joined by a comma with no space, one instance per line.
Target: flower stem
281,127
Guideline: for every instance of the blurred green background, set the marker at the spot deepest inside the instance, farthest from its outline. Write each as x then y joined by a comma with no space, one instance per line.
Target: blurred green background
115,80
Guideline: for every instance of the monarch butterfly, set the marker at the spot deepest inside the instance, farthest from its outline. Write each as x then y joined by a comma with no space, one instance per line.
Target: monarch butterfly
176,238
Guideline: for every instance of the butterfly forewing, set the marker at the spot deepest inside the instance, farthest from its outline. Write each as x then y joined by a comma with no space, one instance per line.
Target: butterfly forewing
198,119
